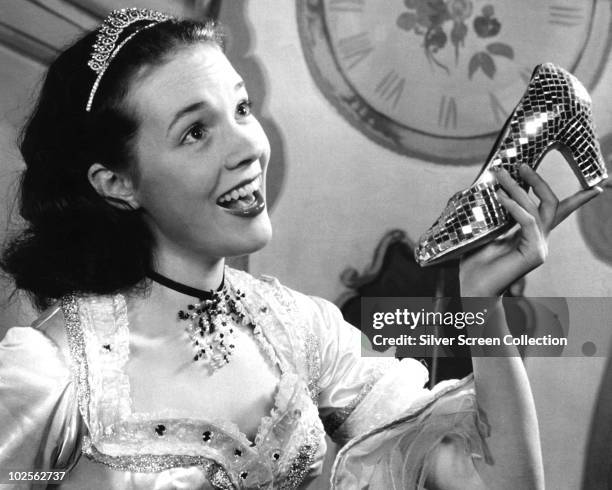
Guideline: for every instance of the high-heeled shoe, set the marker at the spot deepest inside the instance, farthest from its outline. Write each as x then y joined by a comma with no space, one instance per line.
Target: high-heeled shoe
554,113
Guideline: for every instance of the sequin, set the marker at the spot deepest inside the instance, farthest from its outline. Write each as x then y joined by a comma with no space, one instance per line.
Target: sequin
313,361
335,419
211,325
300,467
127,441
145,463
76,343
555,109
218,477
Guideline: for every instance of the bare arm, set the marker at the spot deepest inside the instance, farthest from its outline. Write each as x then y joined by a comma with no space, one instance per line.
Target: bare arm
502,387
504,395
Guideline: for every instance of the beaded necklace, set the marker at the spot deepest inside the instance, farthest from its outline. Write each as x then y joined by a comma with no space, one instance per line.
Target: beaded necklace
211,320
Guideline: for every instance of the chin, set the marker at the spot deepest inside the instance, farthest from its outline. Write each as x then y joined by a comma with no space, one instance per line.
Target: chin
253,239
263,235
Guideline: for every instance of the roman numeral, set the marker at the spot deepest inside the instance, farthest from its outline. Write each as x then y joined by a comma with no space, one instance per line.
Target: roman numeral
565,15
499,112
391,87
447,114
354,49
346,5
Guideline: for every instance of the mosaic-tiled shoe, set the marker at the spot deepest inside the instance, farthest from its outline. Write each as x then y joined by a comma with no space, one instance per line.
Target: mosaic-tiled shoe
554,113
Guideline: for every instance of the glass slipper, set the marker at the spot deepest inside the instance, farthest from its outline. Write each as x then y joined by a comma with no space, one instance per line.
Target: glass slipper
554,113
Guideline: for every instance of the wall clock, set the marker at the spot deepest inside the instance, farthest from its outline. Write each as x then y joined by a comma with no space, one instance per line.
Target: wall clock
436,79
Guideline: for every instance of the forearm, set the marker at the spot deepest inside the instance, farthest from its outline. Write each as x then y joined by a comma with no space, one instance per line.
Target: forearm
504,395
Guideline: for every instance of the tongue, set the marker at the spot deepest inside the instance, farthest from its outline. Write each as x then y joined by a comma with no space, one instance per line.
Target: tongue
241,203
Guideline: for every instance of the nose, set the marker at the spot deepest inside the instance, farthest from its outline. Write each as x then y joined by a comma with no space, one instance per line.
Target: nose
248,143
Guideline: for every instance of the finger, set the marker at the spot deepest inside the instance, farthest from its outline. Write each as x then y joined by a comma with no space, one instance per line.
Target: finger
548,199
527,221
517,193
570,204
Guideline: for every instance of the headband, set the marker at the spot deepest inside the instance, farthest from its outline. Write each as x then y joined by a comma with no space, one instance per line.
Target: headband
106,48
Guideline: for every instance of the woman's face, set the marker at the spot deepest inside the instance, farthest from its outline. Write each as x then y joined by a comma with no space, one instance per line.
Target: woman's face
201,156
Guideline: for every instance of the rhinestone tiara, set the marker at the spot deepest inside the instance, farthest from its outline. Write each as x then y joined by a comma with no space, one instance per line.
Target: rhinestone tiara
106,48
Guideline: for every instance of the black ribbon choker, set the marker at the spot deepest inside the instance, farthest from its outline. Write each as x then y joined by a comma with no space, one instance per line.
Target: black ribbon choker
201,294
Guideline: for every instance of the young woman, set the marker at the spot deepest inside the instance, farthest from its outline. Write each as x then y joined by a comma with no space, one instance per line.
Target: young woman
145,169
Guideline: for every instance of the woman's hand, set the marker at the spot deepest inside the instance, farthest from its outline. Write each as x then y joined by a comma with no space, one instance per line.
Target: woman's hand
490,270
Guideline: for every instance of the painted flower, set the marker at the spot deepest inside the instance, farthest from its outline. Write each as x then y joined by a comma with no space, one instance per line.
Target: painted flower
442,22
435,39
459,10
486,25
423,15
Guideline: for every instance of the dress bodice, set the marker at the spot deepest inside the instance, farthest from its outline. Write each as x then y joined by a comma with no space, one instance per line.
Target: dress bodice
288,440
59,408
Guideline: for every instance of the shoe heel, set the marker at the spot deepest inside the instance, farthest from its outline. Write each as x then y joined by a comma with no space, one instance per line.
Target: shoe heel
578,143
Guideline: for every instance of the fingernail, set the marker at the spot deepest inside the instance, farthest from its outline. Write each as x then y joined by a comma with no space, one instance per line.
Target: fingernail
502,193
524,166
598,189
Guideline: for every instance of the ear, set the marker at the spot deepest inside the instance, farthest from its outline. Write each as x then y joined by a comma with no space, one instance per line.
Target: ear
116,188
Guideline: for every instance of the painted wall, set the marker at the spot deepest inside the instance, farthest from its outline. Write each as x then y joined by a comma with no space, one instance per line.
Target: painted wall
342,193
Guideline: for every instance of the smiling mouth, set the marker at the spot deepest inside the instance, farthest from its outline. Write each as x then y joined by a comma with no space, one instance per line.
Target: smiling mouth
244,200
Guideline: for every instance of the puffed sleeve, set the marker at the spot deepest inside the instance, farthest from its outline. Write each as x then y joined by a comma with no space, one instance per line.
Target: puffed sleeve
349,381
39,420
389,424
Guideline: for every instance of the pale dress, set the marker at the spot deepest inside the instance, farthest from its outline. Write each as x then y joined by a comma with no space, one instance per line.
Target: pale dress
76,414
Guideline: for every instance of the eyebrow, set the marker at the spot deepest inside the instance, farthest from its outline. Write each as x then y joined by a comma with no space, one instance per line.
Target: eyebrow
196,106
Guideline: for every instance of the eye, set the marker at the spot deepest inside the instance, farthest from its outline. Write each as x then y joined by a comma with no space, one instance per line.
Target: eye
195,133
244,108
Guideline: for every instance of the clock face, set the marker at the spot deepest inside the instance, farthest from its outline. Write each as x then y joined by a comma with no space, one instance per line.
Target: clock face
438,78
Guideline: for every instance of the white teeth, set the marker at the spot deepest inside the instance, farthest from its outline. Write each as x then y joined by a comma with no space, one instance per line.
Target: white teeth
243,191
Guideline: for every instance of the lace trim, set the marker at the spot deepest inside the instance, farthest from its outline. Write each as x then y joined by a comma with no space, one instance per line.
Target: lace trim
398,451
98,333
441,390
106,333
182,419
104,323
306,348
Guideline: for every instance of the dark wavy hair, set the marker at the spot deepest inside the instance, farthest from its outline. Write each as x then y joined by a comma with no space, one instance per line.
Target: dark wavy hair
74,240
